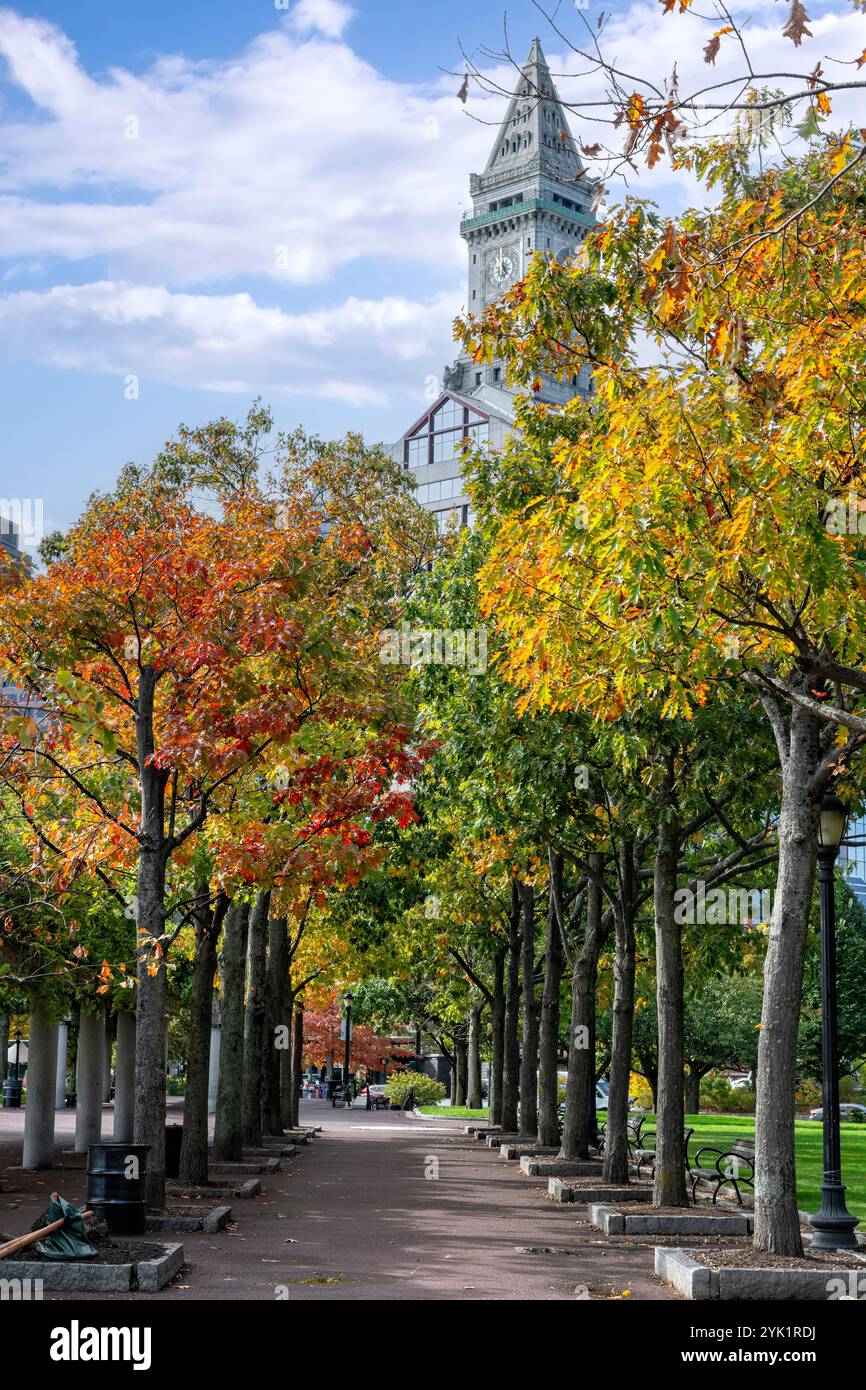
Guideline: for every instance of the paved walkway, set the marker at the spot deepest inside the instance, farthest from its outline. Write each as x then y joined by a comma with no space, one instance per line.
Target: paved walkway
383,1206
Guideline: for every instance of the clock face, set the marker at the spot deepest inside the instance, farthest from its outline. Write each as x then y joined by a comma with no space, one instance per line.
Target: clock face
503,267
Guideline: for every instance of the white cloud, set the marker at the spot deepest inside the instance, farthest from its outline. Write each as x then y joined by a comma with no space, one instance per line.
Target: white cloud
329,17
230,343
288,164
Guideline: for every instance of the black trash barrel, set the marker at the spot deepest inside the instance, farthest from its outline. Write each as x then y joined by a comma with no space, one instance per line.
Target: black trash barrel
116,1186
173,1139
11,1094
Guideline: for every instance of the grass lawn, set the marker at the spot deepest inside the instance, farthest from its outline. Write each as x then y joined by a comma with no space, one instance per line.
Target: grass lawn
721,1130
453,1112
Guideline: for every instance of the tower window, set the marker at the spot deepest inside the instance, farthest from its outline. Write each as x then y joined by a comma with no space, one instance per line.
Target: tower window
477,378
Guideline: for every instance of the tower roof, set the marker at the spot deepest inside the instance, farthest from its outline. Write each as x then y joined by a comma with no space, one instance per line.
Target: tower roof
535,127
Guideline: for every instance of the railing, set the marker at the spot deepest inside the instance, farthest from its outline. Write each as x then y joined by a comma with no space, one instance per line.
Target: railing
531,205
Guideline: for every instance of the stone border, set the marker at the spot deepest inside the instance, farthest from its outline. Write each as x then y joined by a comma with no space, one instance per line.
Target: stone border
728,1284
251,1188
224,1170
564,1168
82,1276
525,1149
618,1223
209,1219
560,1191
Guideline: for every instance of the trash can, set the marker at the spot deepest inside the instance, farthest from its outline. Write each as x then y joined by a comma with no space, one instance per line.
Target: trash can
11,1094
173,1138
117,1186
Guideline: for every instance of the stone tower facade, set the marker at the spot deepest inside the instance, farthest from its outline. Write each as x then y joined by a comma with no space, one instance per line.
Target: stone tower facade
532,197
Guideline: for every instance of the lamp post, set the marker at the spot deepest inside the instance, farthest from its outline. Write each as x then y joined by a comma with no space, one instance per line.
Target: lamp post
347,1002
833,1225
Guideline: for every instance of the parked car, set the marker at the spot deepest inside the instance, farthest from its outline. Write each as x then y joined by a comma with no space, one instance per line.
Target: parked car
850,1114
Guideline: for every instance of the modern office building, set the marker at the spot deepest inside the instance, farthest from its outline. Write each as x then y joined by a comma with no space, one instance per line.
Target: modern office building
533,197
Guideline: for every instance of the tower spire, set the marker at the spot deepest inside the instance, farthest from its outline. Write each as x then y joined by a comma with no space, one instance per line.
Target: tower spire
535,132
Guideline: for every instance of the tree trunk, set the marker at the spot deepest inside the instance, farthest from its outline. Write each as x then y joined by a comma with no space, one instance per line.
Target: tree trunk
510,1055
529,1067
4,1043
616,1134
228,1144
548,1030
693,1090
459,1071
473,1060
298,1061
254,1021
150,1025
497,1038
150,927
669,1179
777,1225
579,1117
276,1023
193,1150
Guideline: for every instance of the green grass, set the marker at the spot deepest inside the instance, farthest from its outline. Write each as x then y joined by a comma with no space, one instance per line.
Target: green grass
721,1130
454,1112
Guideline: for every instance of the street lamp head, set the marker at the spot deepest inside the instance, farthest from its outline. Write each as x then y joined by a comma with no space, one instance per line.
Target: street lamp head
347,1000
832,822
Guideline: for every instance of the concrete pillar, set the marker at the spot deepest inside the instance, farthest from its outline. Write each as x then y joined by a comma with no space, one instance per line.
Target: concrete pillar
60,1074
91,1062
106,1075
41,1080
124,1078
213,1075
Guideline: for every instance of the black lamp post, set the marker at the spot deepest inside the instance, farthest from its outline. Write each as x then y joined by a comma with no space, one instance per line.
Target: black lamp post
347,1001
833,1225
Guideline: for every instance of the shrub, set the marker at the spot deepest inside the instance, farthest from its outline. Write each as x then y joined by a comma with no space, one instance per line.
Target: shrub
640,1091
427,1091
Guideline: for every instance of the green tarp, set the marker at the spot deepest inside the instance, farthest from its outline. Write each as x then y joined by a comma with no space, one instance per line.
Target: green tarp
68,1242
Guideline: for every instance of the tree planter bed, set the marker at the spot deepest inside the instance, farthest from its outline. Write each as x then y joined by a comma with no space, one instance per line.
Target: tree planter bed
269,1165
525,1149
119,1267
189,1219
596,1190
268,1155
670,1221
729,1275
560,1167
252,1188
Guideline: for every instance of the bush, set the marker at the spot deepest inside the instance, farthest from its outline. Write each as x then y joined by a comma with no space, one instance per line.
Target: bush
718,1094
641,1092
427,1091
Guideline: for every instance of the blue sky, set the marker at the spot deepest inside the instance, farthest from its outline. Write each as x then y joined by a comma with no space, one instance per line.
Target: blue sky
201,201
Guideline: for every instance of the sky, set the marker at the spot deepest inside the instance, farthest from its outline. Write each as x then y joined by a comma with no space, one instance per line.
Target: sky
203,202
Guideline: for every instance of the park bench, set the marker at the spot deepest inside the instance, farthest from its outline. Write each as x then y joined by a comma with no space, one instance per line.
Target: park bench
643,1154
734,1165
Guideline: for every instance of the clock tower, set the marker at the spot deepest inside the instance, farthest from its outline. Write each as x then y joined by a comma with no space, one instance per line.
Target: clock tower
533,197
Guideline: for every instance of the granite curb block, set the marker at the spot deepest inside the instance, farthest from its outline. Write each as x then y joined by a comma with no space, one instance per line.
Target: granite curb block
221,1170
495,1139
479,1131
617,1223
252,1188
684,1274
145,1276
552,1168
510,1152
560,1191
207,1219
728,1284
